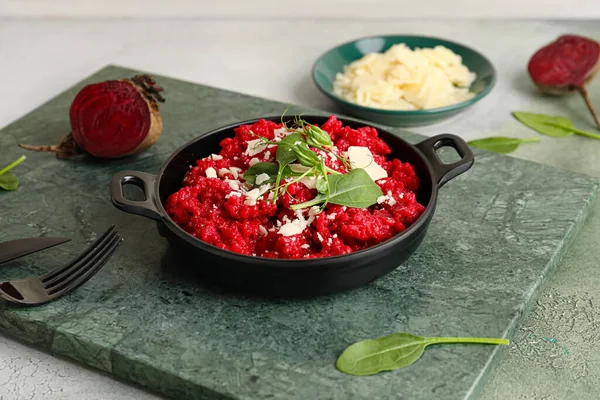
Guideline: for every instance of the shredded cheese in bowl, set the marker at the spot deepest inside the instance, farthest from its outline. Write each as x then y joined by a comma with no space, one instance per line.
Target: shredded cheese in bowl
406,79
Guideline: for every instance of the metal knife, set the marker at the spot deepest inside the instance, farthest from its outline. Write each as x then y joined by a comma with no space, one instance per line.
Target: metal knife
22,247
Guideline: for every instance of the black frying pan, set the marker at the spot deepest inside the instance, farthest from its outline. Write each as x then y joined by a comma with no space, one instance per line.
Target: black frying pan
298,276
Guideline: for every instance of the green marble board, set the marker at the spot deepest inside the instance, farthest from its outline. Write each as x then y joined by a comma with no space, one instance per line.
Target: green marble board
497,235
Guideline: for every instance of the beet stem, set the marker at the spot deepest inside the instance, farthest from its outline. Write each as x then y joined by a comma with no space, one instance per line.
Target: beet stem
589,104
148,84
52,148
66,149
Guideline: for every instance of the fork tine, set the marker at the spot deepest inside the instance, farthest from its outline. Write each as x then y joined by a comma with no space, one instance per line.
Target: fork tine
84,264
86,272
55,276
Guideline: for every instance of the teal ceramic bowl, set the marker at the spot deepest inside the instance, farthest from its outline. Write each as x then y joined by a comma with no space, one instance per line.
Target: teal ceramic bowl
334,60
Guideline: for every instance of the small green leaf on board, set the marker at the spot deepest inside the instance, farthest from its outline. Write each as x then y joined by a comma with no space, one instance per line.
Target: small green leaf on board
500,144
395,351
8,181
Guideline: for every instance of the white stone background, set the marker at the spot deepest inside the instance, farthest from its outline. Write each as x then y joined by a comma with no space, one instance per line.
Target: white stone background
358,9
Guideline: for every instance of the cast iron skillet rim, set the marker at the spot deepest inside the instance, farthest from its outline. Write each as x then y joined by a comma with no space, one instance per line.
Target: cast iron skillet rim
404,235
407,113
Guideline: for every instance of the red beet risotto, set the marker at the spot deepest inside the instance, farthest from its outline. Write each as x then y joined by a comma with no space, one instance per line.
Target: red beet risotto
297,191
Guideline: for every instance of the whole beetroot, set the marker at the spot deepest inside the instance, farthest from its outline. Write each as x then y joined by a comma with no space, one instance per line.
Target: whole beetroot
112,119
567,65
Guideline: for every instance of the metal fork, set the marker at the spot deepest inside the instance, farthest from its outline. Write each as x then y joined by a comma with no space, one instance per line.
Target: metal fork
50,286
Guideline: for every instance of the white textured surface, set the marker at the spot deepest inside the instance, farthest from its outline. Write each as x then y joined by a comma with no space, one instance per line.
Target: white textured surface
268,59
38,59
305,9
26,373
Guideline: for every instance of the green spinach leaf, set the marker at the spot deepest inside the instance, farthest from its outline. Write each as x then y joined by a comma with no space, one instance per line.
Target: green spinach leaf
268,168
500,144
317,137
285,149
354,189
8,181
305,155
395,351
322,184
551,126
546,124
284,156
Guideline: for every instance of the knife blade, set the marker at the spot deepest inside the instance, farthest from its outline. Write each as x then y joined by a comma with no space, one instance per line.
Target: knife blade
22,247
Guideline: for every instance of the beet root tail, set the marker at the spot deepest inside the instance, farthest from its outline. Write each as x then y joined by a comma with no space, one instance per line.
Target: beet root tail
588,103
50,149
66,149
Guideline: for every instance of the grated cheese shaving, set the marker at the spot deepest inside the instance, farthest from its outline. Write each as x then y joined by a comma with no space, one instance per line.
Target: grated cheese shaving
292,228
235,171
260,178
361,157
235,185
251,197
255,146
